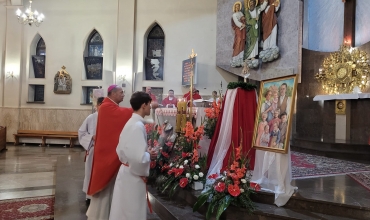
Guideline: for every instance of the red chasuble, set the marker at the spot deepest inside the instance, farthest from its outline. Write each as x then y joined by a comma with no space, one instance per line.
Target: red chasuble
111,120
195,96
167,101
244,112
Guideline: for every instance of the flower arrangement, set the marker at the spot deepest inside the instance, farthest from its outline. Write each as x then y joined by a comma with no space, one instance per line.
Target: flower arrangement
211,118
232,186
154,133
186,166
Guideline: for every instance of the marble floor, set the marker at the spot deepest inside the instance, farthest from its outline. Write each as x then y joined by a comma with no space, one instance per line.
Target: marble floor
29,171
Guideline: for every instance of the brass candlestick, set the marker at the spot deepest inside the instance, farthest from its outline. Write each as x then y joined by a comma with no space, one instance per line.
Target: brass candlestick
192,56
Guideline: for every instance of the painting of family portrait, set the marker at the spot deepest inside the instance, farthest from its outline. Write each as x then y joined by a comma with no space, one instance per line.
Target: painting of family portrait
274,114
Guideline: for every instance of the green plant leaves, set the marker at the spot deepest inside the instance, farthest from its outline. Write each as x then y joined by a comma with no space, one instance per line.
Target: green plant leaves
223,204
202,199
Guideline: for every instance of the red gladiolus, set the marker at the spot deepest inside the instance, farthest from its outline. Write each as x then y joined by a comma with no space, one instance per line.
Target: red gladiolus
152,164
233,190
213,176
220,187
159,130
195,156
183,182
179,171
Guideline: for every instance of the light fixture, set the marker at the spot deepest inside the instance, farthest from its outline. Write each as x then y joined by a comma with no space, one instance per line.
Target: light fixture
344,71
30,17
10,75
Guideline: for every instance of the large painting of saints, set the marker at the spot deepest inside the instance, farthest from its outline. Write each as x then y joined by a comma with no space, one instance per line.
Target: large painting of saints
274,114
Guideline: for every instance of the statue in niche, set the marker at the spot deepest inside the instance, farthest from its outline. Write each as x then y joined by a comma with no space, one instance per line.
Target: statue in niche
62,82
252,13
270,50
238,25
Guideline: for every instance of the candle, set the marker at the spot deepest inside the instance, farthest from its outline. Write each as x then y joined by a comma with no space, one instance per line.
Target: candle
183,118
181,105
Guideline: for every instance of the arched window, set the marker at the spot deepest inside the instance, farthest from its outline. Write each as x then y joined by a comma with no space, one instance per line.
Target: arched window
94,56
38,60
154,56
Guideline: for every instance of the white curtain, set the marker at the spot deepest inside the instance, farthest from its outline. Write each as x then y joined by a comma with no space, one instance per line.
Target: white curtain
224,138
273,172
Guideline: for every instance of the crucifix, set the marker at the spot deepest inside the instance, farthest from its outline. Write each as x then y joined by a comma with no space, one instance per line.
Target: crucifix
192,56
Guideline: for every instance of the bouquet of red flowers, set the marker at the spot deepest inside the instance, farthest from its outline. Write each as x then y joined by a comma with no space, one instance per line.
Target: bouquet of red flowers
186,166
154,132
211,118
232,186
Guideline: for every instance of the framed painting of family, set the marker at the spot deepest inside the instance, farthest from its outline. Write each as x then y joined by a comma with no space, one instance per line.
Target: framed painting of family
274,114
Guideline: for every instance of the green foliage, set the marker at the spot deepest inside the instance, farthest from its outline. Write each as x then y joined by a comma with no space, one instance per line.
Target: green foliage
223,204
210,127
242,85
202,199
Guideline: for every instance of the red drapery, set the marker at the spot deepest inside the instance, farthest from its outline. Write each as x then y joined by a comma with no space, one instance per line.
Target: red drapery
244,113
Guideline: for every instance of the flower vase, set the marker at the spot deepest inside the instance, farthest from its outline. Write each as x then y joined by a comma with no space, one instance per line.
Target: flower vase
196,185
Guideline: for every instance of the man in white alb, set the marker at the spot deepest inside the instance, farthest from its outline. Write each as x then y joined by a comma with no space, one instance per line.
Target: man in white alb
86,137
129,202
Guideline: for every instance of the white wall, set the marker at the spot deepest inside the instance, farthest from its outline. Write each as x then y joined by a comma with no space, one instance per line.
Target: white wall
189,25
2,47
67,25
65,31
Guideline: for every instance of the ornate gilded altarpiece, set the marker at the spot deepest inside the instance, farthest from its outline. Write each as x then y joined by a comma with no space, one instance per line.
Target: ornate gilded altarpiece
62,82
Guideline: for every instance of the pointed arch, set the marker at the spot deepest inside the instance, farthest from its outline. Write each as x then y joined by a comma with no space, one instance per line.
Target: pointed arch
154,52
93,56
38,56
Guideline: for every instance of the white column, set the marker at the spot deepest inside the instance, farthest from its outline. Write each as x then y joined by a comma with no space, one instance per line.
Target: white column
13,51
343,124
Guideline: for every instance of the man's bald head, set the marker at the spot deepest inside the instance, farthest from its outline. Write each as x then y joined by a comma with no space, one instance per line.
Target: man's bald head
148,89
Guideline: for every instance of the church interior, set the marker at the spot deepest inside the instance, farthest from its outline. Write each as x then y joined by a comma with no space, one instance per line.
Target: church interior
279,86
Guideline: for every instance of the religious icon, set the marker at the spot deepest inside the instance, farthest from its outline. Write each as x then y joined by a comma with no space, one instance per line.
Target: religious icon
274,114
270,50
62,82
238,25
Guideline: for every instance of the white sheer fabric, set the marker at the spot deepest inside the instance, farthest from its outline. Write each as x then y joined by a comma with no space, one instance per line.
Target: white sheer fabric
224,138
273,172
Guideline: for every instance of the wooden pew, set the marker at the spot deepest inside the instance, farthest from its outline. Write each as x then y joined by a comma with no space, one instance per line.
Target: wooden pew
43,135
2,138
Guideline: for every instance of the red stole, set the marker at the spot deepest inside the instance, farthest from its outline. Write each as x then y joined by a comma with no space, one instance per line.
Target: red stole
111,120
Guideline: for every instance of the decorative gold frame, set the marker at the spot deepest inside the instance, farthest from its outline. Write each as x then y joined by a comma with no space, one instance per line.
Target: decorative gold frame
340,107
278,81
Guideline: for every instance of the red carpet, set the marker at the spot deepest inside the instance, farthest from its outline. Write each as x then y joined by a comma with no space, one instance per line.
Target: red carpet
37,208
308,166
362,178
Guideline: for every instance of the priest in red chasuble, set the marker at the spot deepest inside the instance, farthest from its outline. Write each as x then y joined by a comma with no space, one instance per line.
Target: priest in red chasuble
170,101
195,95
111,120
